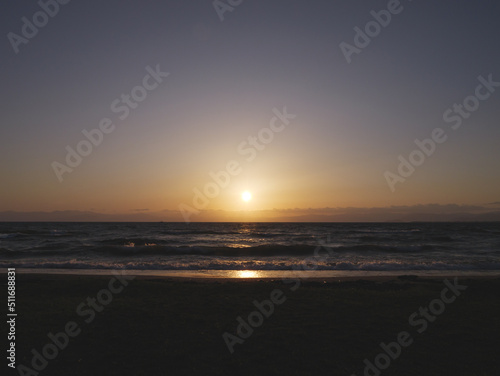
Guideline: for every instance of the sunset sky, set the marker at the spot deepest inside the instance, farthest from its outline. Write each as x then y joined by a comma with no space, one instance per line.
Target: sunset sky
224,81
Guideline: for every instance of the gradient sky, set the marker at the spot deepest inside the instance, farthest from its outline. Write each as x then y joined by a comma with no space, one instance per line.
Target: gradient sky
226,77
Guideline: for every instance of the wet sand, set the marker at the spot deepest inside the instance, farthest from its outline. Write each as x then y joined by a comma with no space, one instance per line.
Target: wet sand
167,325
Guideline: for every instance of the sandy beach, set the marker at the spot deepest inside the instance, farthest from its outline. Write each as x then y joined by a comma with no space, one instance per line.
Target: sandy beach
250,188
123,325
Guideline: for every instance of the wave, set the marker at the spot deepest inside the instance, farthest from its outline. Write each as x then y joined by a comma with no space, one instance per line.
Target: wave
252,265
134,246
198,232
10,235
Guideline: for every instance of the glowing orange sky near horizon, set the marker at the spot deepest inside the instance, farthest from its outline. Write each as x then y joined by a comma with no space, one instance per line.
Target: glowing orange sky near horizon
225,84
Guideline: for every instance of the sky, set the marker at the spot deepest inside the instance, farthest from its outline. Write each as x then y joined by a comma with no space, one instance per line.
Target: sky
173,109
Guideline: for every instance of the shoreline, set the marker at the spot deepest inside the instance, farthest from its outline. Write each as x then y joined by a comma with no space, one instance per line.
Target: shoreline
257,275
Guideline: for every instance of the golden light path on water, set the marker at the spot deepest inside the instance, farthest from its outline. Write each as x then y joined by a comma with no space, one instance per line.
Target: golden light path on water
250,274
246,274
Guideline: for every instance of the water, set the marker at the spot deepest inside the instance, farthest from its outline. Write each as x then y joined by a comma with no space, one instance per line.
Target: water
358,247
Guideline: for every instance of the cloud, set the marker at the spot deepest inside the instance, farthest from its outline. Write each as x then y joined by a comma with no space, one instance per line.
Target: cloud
421,213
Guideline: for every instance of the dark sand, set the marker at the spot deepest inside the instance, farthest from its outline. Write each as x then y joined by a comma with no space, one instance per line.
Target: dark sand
168,326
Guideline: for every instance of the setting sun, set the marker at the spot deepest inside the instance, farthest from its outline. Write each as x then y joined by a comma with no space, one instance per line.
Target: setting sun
246,196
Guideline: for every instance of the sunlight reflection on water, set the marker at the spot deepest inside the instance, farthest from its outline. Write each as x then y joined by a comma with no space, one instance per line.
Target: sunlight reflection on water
245,274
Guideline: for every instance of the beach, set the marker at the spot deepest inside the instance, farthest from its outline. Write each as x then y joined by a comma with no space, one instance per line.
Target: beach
120,324
250,188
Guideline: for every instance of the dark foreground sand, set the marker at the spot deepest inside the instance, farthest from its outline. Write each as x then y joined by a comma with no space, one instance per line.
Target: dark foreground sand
166,326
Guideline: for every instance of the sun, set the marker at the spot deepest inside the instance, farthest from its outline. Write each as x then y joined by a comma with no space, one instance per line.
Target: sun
246,196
